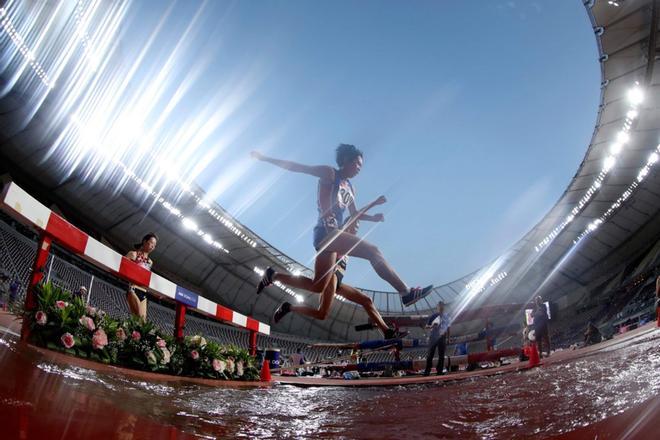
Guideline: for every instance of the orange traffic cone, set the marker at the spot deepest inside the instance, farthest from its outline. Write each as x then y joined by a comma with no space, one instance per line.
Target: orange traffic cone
265,371
533,356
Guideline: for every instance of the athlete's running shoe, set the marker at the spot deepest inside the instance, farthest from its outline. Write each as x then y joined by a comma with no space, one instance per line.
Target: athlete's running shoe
281,312
415,294
266,280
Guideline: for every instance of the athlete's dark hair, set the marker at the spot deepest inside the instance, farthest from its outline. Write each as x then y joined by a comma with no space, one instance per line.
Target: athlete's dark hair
147,237
346,153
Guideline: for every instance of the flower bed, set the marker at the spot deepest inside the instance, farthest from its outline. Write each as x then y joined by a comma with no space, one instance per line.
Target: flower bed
63,322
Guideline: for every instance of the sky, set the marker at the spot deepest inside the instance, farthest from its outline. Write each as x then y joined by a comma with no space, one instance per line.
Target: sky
472,116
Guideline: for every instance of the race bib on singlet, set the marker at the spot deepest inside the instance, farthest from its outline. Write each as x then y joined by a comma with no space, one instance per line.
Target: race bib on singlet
344,195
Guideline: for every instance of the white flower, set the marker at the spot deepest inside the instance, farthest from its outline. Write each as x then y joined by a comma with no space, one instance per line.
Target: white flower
198,341
151,358
166,356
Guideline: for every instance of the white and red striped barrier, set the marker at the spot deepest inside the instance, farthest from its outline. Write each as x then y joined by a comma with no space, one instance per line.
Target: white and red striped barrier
22,205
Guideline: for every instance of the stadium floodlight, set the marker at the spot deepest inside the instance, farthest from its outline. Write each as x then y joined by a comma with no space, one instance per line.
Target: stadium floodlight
616,148
610,161
618,203
24,50
189,224
169,170
632,114
208,238
622,137
642,174
635,96
299,298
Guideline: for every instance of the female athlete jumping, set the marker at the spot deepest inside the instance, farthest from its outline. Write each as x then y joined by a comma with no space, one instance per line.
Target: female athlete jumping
335,196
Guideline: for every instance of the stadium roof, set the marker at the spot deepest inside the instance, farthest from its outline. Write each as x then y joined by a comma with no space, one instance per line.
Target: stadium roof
607,215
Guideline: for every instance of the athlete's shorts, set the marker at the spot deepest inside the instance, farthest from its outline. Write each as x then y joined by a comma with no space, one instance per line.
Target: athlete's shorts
322,230
321,233
141,294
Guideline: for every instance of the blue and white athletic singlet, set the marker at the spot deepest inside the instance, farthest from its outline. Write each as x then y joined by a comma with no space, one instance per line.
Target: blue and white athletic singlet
342,196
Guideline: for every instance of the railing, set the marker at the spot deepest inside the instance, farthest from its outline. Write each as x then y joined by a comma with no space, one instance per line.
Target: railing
54,228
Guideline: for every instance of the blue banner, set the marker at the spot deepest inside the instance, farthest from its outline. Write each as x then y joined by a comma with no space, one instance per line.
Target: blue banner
186,297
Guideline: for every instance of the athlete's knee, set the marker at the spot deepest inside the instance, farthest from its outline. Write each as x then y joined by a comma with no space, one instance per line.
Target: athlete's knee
322,313
318,285
375,255
365,302
320,280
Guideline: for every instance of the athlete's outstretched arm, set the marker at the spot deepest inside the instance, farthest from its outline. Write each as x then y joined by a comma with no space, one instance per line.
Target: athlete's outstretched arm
321,171
370,218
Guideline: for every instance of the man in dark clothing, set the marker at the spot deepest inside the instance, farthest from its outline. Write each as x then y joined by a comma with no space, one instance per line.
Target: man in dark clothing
439,325
541,332
592,335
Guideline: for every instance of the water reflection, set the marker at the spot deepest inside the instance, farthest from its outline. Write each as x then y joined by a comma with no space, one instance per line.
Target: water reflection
554,399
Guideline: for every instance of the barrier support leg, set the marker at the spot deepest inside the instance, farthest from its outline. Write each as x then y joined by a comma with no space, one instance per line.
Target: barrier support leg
179,321
253,343
37,275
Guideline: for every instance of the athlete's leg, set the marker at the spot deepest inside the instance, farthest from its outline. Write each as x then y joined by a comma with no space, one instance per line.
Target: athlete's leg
349,244
133,302
143,310
354,295
298,282
323,271
348,292
324,303
324,277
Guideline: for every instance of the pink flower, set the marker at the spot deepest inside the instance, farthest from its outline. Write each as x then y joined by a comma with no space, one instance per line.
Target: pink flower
230,365
91,311
41,318
88,322
161,343
67,340
217,365
194,354
239,368
120,334
136,336
61,304
100,339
